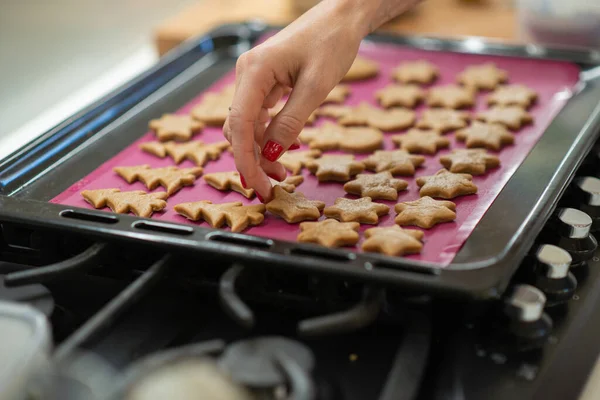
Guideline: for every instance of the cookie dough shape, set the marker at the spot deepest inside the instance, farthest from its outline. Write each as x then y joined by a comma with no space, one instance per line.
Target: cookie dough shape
512,117
338,168
365,114
329,233
489,136
396,95
469,161
338,94
138,202
175,127
361,69
450,96
290,183
330,136
398,162
513,95
171,178
295,160
446,185
213,109
380,186
393,241
362,210
237,216
421,141
196,151
419,71
443,120
483,76
425,212
229,180
294,207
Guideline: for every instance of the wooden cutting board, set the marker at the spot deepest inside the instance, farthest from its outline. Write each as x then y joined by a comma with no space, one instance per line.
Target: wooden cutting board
443,18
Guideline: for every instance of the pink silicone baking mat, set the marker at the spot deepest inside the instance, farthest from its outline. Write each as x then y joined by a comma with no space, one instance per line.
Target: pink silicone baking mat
552,80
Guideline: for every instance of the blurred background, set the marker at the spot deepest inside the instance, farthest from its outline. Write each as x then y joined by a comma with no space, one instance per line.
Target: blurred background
58,56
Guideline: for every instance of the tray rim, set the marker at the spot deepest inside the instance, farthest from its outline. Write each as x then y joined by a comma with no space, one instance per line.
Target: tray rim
476,278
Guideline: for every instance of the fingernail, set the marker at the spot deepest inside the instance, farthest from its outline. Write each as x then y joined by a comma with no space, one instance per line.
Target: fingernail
273,176
294,146
272,150
260,198
243,181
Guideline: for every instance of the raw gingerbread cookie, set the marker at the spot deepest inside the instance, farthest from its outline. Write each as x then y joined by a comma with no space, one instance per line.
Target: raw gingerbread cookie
171,178
490,136
422,141
294,161
380,186
443,120
512,95
398,162
290,183
196,151
237,216
362,210
330,136
175,127
393,241
279,106
450,96
138,202
329,233
512,117
395,95
294,207
214,107
425,212
361,69
446,185
365,114
484,76
338,94
469,161
339,168
229,180
420,71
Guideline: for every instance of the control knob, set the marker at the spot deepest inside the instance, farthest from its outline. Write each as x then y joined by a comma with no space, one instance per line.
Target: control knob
570,230
586,193
552,275
529,326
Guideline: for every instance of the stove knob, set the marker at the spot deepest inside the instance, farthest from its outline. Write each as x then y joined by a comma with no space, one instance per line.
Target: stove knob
573,224
587,198
572,228
552,274
529,326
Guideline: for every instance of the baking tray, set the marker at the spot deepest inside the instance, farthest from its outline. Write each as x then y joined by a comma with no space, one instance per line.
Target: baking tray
482,267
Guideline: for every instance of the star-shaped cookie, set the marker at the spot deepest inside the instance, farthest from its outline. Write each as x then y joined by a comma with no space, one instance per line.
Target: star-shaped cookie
290,183
333,167
489,136
213,109
393,241
175,127
338,94
419,71
237,216
365,114
294,207
450,96
443,120
512,117
398,162
361,69
138,202
229,180
196,151
425,212
362,210
330,136
171,178
446,185
484,76
396,95
294,161
469,161
329,233
421,141
380,186
512,95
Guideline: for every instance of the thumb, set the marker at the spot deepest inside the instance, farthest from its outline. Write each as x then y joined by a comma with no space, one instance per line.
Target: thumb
285,127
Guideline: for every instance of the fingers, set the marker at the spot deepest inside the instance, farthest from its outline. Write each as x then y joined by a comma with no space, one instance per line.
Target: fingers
272,98
274,170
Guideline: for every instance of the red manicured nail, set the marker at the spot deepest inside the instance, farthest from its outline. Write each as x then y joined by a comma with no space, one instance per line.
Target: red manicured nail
260,197
272,150
243,181
294,146
273,176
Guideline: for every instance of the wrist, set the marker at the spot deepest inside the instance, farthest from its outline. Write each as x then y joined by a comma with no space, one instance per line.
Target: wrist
359,16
